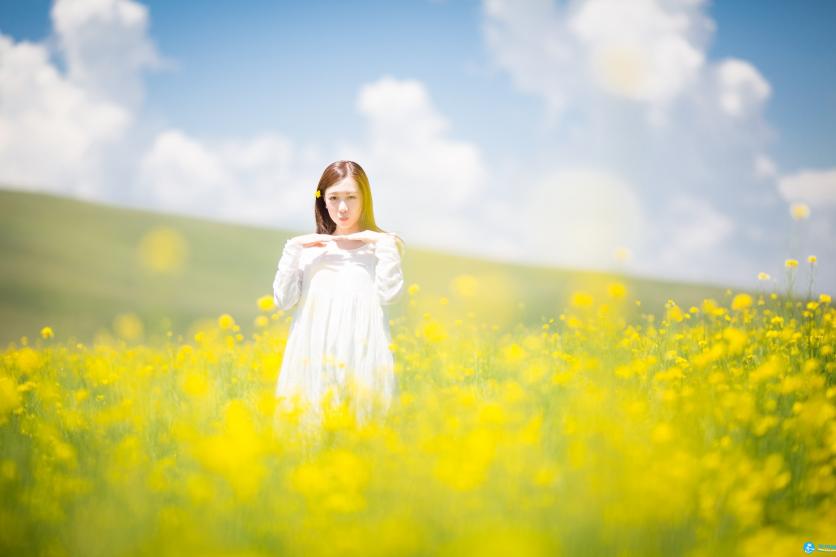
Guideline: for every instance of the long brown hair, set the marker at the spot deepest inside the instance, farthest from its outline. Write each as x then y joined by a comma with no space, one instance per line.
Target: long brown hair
332,174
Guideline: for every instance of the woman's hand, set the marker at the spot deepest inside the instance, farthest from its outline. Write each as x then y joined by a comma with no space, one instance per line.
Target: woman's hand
364,235
309,240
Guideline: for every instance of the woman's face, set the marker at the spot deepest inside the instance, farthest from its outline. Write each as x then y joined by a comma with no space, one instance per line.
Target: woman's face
344,203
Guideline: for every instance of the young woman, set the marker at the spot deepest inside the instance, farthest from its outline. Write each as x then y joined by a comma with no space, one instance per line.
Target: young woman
340,278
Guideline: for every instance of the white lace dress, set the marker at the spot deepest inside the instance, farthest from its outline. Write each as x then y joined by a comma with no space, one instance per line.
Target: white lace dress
339,336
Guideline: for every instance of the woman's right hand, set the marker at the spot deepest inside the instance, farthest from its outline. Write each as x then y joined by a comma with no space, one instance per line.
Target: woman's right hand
308,240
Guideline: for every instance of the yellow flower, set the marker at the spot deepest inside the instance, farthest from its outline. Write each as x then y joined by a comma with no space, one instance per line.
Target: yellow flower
10,399
163,250
226,321
128,326
318,194
262,321
791,263
413,289
675,313
824,298
46,332
811,259
799,211
741,301
616,290
266,303
581,299
763,276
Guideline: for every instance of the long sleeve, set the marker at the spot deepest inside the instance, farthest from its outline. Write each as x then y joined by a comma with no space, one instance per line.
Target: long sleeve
287,285
389,280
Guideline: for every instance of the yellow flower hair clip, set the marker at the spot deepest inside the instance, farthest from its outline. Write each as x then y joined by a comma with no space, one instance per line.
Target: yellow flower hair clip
318,195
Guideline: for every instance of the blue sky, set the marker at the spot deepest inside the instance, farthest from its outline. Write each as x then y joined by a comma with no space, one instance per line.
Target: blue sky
293,73
300,58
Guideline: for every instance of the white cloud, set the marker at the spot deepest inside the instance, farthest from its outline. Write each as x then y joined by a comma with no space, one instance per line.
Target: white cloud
644,50
764,167
180,172
815,187
52,131
74,130
742,88
580,217
641,50
264,179
106,46
695,227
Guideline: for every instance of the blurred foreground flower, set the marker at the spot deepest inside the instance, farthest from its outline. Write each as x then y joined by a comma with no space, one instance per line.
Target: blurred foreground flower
799,211
163,250
622,254
128,326
266,303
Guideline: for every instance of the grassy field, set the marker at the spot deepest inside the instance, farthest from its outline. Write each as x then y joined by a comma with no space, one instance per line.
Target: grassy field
708,432
577,424
79,266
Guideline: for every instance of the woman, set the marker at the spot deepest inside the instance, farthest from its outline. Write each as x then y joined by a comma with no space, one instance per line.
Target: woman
339,278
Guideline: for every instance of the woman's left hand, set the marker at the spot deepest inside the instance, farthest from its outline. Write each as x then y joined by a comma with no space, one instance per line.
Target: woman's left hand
365,236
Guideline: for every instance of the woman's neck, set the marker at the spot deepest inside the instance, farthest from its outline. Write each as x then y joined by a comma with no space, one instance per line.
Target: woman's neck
344,231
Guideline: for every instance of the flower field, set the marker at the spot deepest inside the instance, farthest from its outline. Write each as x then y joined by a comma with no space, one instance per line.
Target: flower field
708,430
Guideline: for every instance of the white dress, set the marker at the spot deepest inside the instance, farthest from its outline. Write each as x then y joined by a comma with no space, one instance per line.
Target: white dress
339,336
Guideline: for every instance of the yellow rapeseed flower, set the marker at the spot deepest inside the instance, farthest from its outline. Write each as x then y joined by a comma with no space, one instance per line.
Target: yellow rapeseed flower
581,299
811,259
413,289
10,398
799,211
262,321
616,290
791,263
434,331
513,352
46,332
226,321
674,312
163,250
128,326
824,298
763,276
662,433
465,285
741,302
266,303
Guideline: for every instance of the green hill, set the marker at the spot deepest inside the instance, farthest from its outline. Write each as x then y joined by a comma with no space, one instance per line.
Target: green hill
76,265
